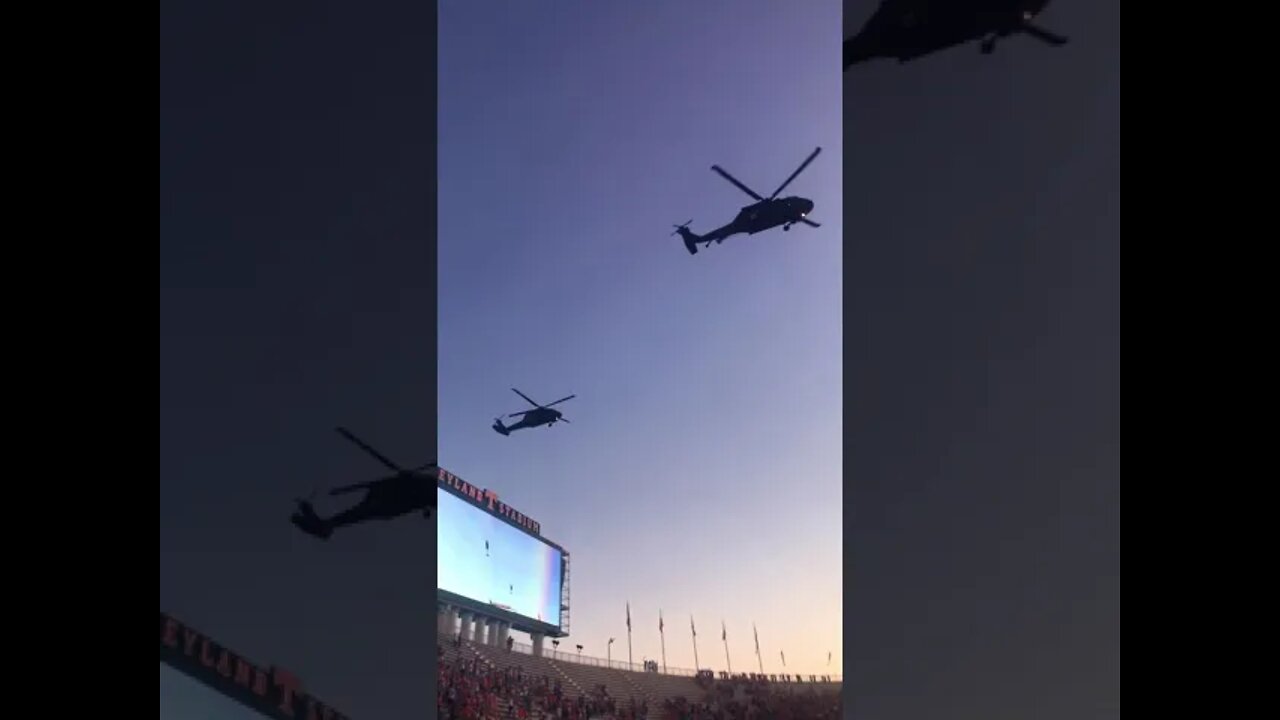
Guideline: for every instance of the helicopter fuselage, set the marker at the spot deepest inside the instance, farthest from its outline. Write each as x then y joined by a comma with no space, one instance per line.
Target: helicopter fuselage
391,496
535,418
769,214
905,30
764,215
397,495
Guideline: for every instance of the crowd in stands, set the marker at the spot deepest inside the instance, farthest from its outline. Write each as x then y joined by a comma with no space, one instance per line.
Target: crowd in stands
783,678
756,698
472,690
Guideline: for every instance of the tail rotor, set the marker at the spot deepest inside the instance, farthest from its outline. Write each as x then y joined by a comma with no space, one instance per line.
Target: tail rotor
690,238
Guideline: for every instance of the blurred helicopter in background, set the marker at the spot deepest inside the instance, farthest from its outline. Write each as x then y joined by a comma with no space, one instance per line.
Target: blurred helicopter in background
406,491
910,29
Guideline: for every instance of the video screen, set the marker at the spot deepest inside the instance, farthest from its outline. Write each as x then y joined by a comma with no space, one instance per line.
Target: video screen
182,698
483,558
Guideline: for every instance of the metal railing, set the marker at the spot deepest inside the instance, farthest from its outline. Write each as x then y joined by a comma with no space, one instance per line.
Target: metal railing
591,661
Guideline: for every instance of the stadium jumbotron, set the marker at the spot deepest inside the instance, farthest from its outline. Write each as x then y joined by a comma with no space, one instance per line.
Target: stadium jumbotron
497,574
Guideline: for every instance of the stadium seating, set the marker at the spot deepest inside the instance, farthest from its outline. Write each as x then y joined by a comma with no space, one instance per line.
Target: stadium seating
665,697
582,679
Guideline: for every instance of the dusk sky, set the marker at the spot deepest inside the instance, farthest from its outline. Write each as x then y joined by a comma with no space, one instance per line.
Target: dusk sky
982,367
701,471
296,177
919,400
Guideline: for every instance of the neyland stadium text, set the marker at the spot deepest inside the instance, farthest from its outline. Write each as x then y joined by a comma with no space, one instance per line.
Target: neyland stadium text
488,500
274,692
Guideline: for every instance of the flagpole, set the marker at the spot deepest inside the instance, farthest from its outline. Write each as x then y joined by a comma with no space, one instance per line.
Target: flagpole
662,634
724,635
630,664
759,659
692,629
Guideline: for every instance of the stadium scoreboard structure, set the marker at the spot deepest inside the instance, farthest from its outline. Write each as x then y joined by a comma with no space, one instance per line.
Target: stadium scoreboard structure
199,675
495,570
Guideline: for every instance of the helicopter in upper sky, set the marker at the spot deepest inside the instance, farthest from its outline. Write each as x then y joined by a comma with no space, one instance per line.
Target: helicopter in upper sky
908,29
539,415
764,214
408,490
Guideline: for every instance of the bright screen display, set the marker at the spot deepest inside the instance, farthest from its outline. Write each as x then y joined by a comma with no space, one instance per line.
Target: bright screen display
182,698
483,558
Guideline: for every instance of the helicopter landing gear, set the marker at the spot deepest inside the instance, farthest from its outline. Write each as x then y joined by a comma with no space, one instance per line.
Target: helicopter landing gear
988,45
786,227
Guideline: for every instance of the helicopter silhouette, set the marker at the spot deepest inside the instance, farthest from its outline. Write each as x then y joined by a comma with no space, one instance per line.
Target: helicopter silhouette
764,214
408,490
539,415
910,29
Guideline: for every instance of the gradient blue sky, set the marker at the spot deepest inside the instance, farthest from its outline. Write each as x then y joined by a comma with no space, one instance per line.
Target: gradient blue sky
701,473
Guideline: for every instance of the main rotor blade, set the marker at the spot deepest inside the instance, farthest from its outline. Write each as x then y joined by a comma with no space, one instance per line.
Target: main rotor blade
1043,35
809,222
735,181
526,397
563,419
799,170
427,466
364,446
560,400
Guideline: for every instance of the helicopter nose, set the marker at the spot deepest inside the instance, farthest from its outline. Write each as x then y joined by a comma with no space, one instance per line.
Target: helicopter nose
806,207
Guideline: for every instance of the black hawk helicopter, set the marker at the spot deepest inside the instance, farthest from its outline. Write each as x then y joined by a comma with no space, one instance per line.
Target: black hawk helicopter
910,29
539,415
765,214
408,490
